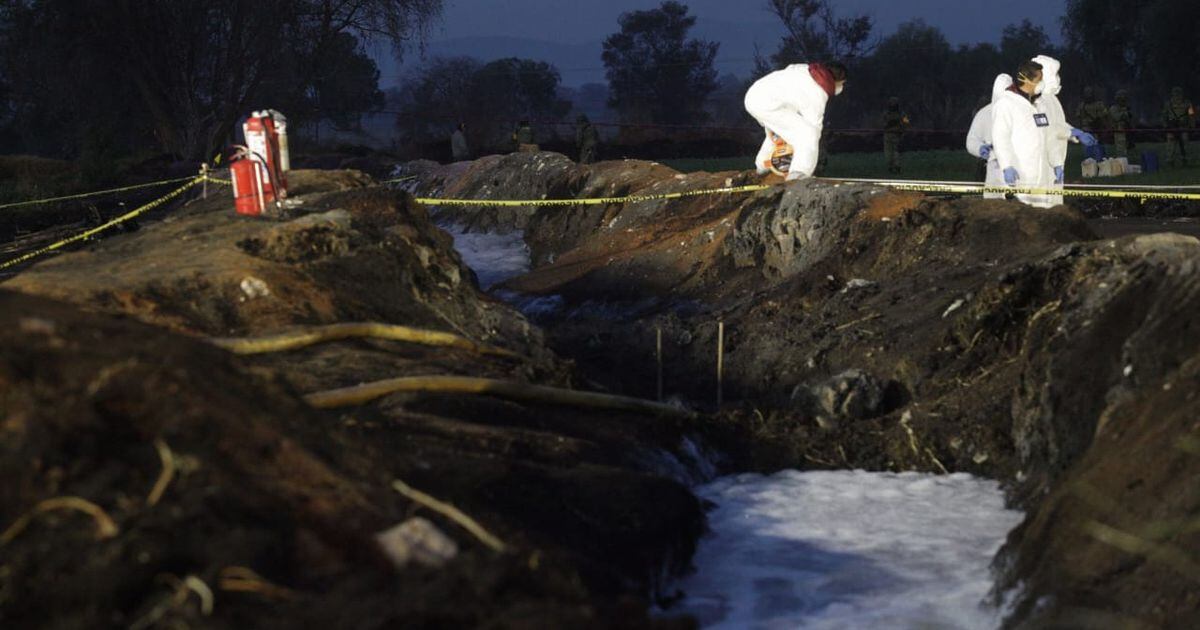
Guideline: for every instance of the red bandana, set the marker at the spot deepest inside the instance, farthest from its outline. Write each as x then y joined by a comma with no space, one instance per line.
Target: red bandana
823,77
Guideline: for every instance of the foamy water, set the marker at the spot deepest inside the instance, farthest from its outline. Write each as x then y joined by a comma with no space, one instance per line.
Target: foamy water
494,257
848,549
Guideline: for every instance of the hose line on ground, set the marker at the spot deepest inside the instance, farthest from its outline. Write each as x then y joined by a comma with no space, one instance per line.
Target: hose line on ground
335,332
524,392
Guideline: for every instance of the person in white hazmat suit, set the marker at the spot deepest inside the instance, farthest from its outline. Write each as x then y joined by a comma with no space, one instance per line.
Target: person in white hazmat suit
1019,137
979,138
1060,132
790,104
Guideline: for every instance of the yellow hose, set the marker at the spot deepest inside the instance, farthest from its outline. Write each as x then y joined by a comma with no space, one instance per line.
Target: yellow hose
334,332
359,394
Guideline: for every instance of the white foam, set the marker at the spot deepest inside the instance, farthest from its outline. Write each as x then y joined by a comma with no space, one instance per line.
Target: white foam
494,257
848,549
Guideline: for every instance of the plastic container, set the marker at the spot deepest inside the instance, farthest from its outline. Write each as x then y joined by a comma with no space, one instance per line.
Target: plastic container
1089,168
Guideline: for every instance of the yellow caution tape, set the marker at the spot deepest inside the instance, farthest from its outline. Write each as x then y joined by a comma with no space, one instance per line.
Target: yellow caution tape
587,202
1058,192
95,194
217,180
96,230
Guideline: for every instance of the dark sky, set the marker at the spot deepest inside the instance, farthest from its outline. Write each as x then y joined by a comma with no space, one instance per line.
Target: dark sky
569,32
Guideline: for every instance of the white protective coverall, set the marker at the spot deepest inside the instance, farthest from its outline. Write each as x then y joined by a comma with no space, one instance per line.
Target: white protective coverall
792,104
981,134
1019,142
1058,134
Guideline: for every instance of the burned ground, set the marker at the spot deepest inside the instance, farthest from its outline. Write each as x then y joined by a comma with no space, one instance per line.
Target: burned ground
868,329
297,495
863,329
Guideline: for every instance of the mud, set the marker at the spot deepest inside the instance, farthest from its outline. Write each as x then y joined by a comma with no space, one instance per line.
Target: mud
593,507
982,336
862,328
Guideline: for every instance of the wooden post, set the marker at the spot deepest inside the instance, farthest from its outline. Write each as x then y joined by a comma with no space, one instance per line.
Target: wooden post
659,360
720,362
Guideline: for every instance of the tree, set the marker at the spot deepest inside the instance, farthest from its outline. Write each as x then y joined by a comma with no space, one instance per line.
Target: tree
520,89
488,98
655,73
195,66
815,33
1019,42
1147,46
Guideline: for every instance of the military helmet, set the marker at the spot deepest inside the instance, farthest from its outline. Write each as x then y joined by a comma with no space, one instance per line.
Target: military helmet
1122,95
894,101
582,118
1177,92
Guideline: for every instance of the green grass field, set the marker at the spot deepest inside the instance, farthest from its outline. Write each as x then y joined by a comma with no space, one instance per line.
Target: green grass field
959,166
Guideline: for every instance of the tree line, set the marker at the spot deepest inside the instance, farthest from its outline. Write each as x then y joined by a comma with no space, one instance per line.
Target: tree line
103,79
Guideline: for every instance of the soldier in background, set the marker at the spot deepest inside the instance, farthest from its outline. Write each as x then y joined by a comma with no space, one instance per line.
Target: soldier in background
1092,113
458,144
895,122
523,138
1122,120
587,139
1178,113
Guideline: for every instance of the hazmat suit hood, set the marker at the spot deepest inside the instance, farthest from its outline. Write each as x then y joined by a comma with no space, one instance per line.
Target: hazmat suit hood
1000,86
1050,70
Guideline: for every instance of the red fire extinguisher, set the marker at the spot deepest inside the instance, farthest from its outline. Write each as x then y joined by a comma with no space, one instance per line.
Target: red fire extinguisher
251,193
262,143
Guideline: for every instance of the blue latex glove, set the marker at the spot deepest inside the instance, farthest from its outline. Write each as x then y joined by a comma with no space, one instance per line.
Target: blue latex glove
1084,137
985,151
1059,175
1010,176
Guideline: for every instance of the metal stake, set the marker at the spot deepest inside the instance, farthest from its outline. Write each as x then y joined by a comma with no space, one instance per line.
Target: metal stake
720,362
659,359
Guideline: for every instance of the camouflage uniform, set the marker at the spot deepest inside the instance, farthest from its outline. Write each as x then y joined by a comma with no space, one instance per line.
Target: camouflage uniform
1178,113
1092,113
523,137
894,124
587,139
1122,119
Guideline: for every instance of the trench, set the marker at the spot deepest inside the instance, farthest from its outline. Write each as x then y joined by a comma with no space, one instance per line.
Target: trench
818,549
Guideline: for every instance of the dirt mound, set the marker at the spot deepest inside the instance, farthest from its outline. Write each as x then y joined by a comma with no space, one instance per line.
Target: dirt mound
355,253
583,499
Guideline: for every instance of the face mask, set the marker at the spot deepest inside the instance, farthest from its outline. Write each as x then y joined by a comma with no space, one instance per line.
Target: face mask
839,88
1041,87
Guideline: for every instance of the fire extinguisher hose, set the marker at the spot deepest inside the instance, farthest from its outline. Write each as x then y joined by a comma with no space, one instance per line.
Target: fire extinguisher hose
322,334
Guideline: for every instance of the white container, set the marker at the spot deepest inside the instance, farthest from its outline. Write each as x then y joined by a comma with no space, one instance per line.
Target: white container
1105,168
1135,169
1089,168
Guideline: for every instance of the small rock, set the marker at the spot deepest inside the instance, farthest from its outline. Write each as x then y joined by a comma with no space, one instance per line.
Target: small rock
857,283
254,288
37,326
851,395
417,540
953,307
